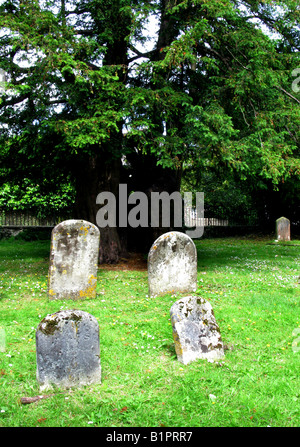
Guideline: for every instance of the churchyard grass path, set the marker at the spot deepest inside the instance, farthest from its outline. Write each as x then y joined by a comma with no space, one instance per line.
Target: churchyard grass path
253,287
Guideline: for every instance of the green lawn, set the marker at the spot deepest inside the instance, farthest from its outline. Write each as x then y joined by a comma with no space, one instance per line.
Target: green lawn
252,285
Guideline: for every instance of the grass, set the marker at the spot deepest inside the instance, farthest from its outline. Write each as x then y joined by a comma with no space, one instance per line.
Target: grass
253,287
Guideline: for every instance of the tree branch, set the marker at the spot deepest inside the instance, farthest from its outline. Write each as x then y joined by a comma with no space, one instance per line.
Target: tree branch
139,54
289,94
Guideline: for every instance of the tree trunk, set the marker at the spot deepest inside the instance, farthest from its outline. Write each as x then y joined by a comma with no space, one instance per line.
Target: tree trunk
95,174
98,174
147,177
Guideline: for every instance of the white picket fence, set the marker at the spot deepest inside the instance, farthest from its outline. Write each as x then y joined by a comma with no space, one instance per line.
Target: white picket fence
192,220
26,219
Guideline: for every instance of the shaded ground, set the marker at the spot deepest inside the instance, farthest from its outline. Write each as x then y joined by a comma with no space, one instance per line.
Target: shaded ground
135,261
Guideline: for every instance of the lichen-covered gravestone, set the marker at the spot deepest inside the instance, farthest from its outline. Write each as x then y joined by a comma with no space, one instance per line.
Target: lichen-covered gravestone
73,260
68,350
195,330
172,264
283,229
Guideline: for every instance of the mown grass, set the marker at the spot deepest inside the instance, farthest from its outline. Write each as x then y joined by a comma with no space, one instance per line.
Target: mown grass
254,291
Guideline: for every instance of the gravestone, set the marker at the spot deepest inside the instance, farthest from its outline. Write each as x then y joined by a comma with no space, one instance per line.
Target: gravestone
172,264
195,330
68,350
73,260
283,229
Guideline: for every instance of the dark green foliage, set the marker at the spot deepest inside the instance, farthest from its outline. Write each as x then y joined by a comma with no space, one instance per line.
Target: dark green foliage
40,200
213,89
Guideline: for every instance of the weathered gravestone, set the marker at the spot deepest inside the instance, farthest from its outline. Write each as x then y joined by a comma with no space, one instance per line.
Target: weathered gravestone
68,350
283,229
195,330
73,260
172,264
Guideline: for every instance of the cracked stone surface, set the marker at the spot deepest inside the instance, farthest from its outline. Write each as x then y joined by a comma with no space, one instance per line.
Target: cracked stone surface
195,330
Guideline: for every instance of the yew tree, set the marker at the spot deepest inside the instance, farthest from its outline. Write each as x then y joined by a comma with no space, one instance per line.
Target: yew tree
105,92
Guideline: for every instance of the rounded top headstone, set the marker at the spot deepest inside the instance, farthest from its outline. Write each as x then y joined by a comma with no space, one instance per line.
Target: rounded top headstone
68,349
76,225
172,264
73,260
283,229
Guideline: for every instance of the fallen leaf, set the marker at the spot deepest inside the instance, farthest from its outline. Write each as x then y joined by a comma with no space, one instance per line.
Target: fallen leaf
41,420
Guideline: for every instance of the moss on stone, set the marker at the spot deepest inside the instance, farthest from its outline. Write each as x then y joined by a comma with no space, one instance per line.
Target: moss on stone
48,326
75,317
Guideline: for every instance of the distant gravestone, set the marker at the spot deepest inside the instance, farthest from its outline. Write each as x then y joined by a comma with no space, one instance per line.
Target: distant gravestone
68,350
172,264
283,229
195,330
73,260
